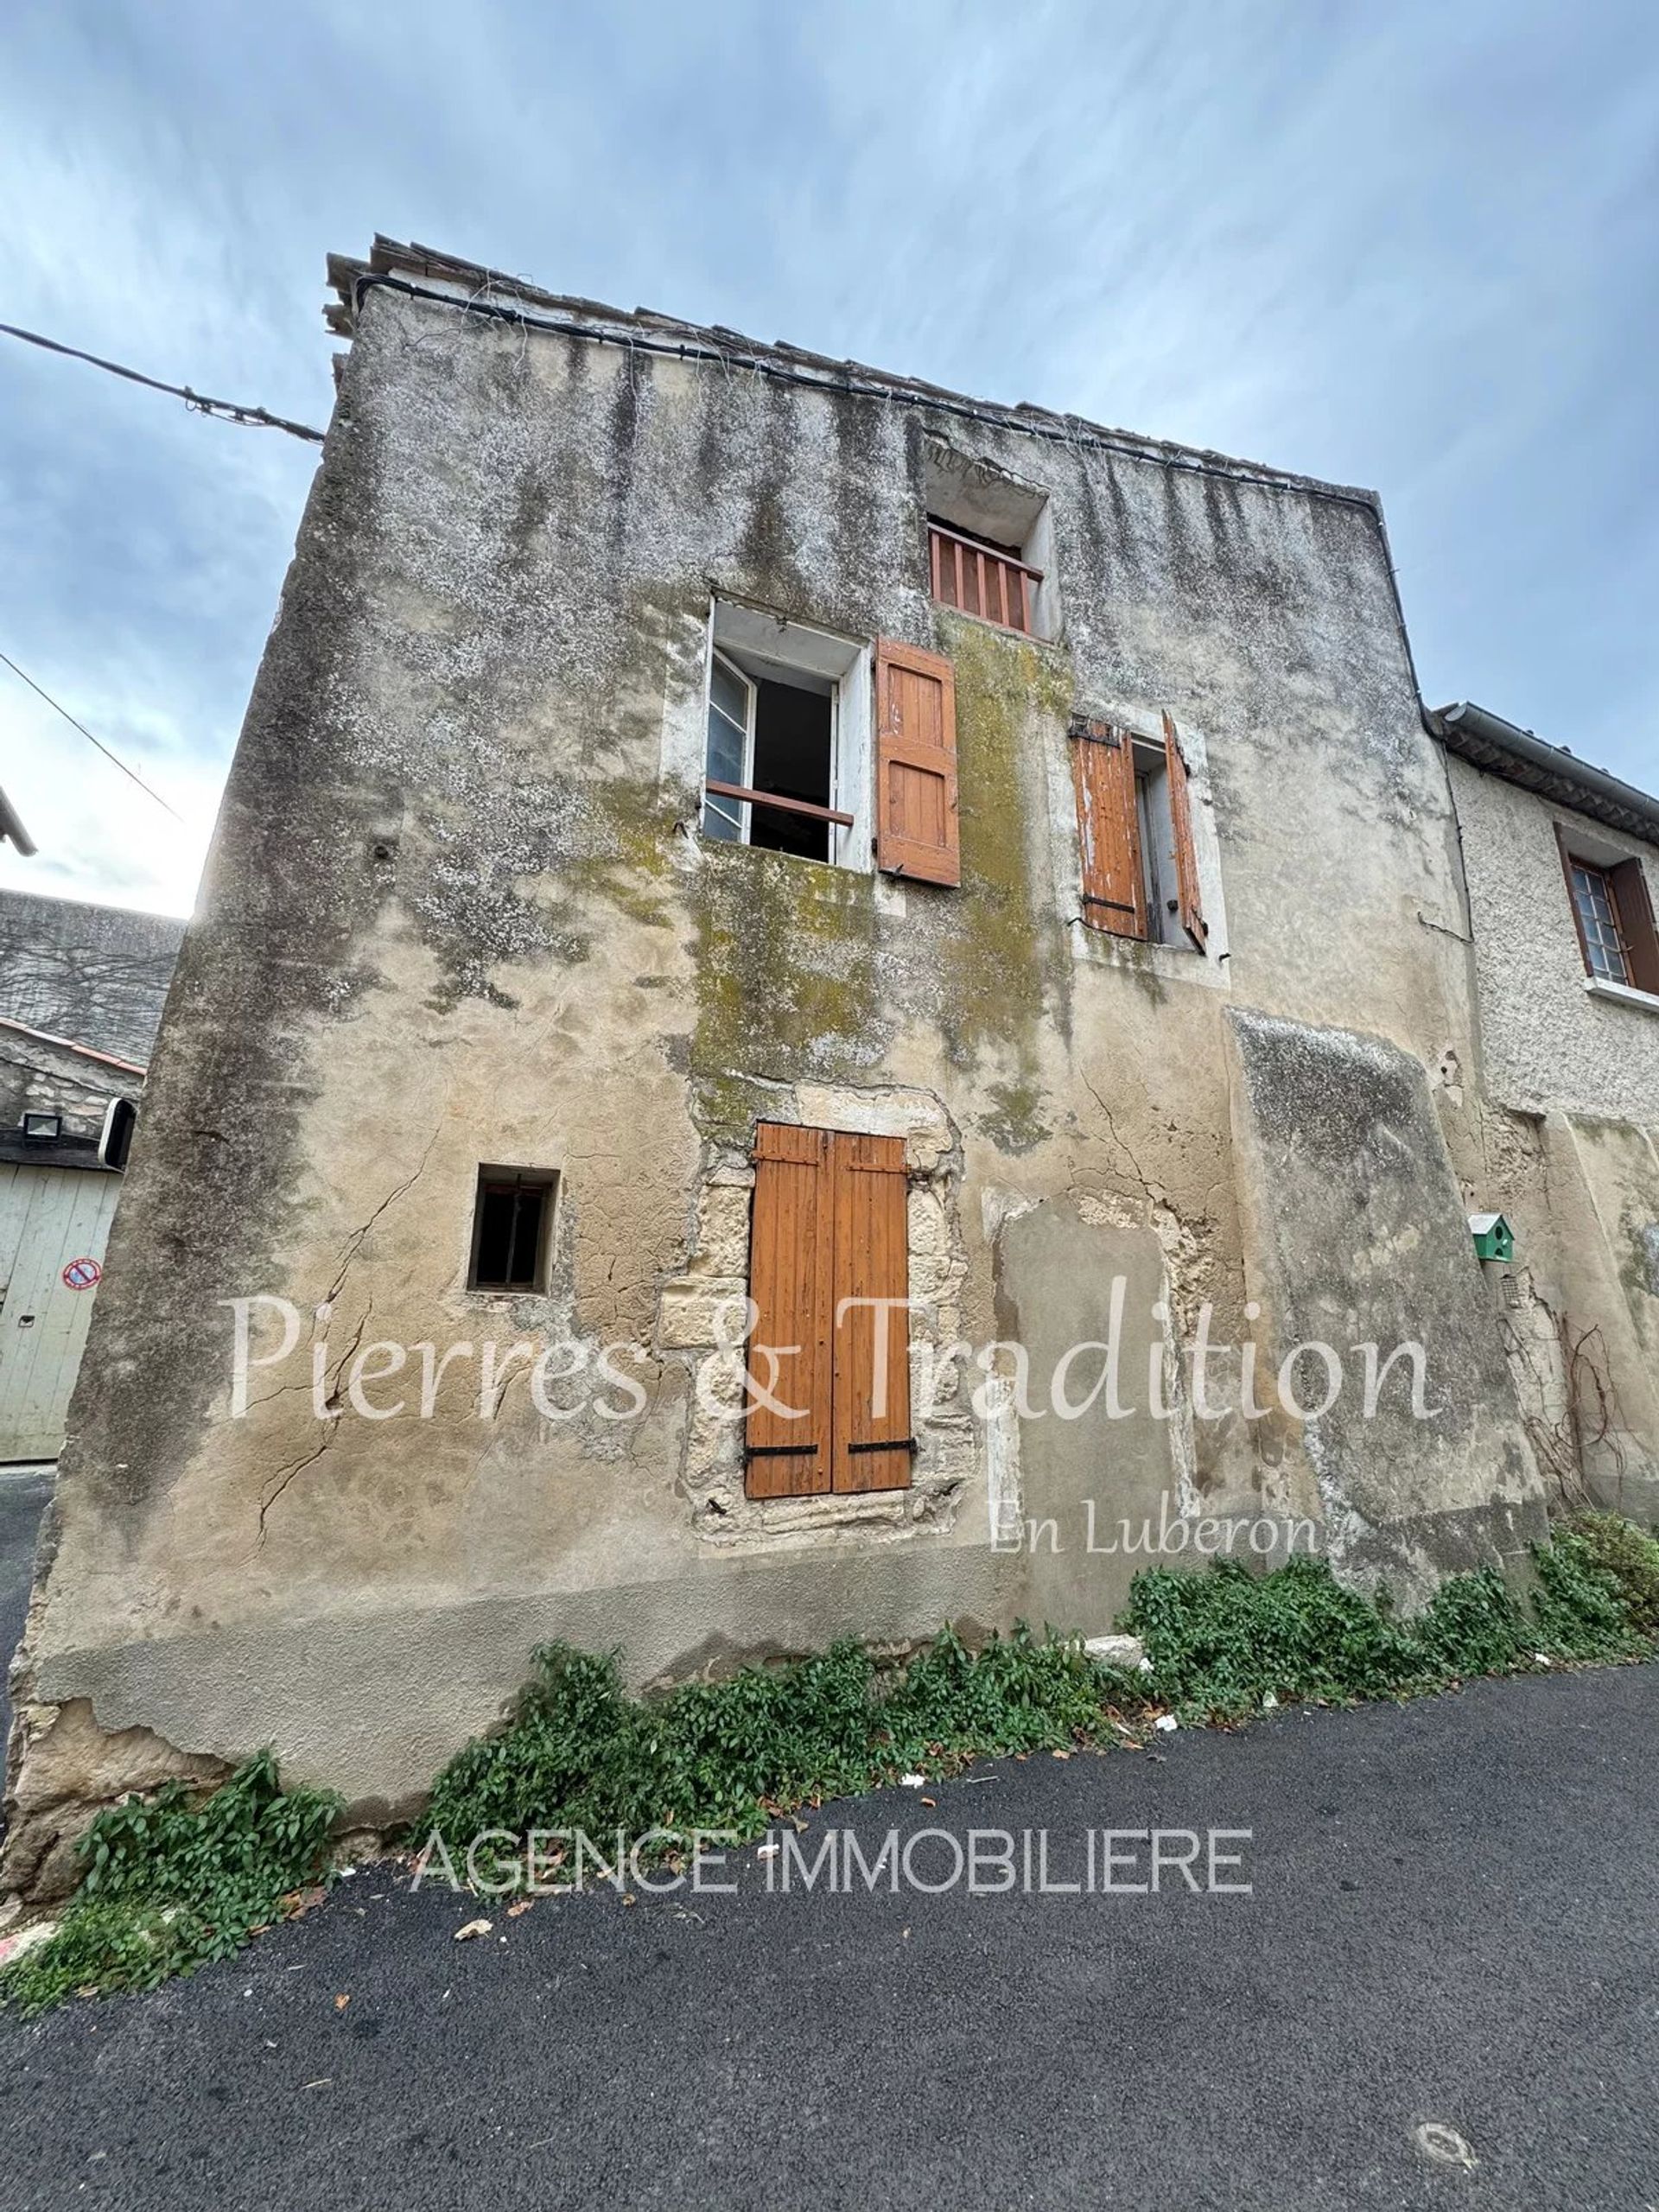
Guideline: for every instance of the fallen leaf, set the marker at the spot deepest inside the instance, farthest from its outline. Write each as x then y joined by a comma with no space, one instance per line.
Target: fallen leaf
342,2001
523,1905
473,1927
1062,1755
930,1800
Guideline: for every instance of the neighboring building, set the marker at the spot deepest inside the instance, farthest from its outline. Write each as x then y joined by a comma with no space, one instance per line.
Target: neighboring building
715,822
96,974
1562,863
81,991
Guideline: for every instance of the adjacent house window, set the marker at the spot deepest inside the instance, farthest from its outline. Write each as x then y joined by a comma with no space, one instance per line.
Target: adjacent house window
829,1271
1135,829
513,1222
787,761
1613,915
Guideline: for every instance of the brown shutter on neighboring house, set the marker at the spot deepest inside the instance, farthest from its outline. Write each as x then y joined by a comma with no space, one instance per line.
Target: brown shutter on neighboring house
1636,924
1109,831
872,1367
916,832
1187,855
791,1253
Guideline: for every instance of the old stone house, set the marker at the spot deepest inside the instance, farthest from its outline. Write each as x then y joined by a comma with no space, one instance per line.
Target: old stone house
715,823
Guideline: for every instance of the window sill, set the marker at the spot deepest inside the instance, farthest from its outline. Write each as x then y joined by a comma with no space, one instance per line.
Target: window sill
1621,993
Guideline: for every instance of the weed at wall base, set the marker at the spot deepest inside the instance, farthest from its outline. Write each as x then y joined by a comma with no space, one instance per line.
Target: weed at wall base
174,1880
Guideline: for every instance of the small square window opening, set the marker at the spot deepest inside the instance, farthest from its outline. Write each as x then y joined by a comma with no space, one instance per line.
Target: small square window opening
513,1222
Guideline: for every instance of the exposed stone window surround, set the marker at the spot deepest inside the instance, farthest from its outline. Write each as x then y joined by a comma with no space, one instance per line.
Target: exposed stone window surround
715,1278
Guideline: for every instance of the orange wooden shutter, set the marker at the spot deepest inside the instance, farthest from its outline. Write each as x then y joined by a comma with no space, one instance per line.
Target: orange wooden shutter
916,832
1187,854
1108,830
791,1253
872,1436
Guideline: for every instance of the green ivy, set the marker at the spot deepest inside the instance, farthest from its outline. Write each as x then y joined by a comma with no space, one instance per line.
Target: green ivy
174,1880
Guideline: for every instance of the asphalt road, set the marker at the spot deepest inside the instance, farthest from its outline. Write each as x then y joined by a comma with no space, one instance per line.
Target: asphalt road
23,1500
1452,1922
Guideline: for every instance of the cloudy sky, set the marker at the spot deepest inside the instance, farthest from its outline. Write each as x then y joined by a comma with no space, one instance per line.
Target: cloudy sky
1394,243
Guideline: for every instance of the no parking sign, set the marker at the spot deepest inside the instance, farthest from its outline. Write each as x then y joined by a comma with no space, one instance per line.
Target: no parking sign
83,1274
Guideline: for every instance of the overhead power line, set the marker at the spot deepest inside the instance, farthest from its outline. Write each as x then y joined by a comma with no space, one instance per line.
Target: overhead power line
226,410
91,739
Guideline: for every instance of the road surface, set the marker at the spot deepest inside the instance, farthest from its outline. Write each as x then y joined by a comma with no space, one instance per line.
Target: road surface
1452,1926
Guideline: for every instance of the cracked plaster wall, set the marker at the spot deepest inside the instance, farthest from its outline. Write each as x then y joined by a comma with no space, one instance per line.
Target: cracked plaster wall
455,912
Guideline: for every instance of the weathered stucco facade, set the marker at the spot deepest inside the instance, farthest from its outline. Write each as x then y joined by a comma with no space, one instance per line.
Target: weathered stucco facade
459,913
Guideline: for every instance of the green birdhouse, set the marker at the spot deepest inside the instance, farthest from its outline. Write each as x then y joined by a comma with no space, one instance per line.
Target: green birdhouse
1494,1238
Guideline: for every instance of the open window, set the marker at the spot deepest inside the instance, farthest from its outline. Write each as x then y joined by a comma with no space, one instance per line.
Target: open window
989,544
1134,831
787,765
1612,913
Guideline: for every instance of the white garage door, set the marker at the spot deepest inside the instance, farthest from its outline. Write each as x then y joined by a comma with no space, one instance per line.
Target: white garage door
50,1218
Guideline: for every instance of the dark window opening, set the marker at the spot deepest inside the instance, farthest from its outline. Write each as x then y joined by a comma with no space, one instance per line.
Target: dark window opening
509,1228
793,758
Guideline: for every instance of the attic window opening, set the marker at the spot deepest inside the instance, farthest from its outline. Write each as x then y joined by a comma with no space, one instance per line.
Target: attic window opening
512,1221
990,543
787,766
978,577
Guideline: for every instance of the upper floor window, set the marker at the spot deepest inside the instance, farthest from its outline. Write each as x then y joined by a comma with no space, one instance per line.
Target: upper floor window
989,542
981,578
787,762
832,750
1135,831
1605,950
1612,913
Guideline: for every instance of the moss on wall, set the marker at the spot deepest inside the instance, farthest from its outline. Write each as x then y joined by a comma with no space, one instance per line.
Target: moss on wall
1003,964
785,975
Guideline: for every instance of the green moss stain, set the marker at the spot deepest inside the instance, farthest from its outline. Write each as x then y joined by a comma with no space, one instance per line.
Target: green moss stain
785,979
628,860
1003,966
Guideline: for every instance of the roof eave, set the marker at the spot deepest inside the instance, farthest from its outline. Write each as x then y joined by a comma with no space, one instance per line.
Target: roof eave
1503,748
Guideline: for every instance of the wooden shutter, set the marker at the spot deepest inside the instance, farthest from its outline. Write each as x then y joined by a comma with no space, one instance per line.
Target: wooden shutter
916,831
1109,831
872,1261
1188,897
1635,911
791,1253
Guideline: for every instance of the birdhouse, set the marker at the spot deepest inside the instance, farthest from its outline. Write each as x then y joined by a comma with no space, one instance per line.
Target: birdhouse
1494,1238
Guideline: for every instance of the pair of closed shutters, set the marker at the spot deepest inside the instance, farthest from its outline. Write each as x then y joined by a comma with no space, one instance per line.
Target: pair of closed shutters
1108,833
828,1231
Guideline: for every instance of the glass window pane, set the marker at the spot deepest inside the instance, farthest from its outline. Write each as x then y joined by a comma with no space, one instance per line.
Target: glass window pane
729,693
725,748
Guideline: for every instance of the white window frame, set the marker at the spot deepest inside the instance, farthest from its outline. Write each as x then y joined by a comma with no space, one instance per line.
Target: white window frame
774,641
